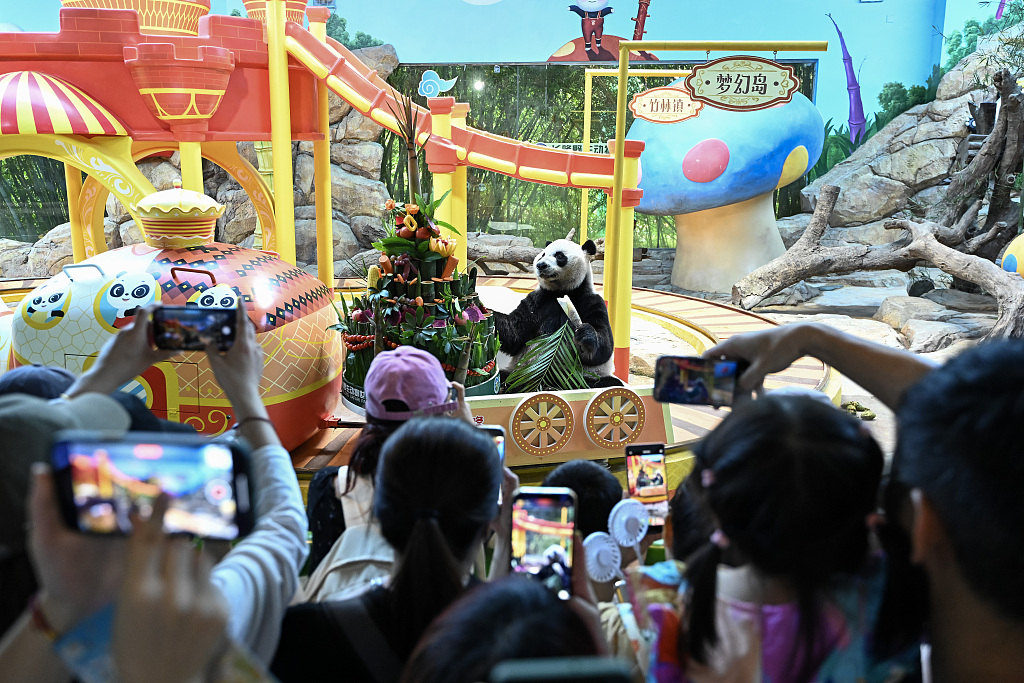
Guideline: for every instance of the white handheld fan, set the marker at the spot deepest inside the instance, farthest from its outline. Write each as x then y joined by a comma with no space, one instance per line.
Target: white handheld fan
604,558
628,523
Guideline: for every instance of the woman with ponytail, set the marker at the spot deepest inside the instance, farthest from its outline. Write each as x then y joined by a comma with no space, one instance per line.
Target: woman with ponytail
787,587
347,554
436,496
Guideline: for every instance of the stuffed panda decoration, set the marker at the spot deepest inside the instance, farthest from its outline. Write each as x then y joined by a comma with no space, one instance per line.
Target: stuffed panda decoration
563,270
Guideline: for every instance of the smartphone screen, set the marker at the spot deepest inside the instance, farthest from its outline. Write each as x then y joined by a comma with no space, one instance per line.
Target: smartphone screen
191,328
697,381
497,433
101,481
543,521
647,480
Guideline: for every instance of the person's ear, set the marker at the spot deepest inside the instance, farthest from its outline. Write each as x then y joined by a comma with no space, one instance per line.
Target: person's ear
927,533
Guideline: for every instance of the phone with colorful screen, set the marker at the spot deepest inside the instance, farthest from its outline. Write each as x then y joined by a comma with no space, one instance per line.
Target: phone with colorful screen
101,478
191,328
543,522
697,381
647,480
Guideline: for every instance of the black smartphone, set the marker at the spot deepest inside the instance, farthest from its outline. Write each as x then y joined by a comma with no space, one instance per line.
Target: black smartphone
101,478
191,328
497,432
561,670
697,381
647,481
543,522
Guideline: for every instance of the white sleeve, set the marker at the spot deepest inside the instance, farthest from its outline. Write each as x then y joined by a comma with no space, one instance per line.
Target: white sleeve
259,575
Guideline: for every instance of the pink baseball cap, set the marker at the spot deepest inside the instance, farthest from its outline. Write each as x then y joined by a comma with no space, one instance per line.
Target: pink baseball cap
409,375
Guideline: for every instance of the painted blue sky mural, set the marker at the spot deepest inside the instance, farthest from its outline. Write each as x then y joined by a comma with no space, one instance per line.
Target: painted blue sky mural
889,40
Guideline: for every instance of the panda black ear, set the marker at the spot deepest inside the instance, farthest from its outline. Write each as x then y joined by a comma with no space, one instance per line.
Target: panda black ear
547,243
590,247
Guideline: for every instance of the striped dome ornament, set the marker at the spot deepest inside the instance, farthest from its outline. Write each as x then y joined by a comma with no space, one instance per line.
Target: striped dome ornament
32,103
177,218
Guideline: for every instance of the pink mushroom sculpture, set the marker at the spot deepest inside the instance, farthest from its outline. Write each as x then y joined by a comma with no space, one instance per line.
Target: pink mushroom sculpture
715,174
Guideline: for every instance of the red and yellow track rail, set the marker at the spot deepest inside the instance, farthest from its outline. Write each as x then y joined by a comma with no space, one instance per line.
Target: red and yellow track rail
362,88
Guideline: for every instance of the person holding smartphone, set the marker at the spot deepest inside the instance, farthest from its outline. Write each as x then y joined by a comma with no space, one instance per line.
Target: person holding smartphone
435,498
399,384
81,574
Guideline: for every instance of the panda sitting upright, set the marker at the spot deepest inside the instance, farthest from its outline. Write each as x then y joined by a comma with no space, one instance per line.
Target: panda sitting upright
563,269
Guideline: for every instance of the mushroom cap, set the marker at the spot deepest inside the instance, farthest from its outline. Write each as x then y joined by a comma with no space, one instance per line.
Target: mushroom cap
725,157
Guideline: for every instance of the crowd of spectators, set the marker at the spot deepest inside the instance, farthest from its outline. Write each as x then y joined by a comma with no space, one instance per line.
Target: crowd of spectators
795,552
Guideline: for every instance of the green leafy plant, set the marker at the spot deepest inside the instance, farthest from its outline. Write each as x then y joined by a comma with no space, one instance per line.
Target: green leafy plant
550,363
337,28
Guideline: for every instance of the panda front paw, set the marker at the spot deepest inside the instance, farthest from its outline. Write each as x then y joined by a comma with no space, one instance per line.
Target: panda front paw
587,342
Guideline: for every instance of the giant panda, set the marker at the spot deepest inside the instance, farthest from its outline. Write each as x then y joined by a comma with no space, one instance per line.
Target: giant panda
562,269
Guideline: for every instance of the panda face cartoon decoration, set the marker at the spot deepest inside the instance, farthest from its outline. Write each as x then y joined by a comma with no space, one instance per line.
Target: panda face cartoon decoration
47,306
117,303
218,296
592,14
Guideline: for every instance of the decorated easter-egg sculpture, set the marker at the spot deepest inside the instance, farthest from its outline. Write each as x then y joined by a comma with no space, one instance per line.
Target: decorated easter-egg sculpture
715,173
1013,257
66,321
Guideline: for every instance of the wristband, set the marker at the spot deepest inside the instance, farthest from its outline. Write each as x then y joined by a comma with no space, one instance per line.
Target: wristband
39,620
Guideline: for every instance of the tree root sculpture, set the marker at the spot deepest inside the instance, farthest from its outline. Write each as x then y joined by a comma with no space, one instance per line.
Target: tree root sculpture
951,243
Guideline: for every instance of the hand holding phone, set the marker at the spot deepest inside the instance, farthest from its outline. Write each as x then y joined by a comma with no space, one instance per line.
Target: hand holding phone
101,479
192,328
647,481
497,432
543,524
697,381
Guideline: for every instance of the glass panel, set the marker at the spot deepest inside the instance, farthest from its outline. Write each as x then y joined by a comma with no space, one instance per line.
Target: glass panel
540,103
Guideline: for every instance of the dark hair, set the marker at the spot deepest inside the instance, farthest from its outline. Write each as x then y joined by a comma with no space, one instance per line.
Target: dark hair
691,527
514,618
959,442
790,482
597,491
366,451
437,490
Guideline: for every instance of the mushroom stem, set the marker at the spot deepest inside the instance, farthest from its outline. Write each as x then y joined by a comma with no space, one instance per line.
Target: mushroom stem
717,247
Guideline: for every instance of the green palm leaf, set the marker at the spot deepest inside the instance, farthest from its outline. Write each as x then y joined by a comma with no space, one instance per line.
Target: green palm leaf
550,363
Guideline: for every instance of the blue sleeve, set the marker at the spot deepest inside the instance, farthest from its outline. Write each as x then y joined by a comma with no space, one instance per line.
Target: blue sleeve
606,11
577,10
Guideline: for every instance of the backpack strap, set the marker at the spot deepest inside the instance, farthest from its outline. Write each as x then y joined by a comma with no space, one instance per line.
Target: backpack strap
352,618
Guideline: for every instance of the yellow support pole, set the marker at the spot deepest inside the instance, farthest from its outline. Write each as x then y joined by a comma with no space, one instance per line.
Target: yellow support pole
191,165
73,181
588,94
444,179
281,132
588,111
322,163
460,189
618,277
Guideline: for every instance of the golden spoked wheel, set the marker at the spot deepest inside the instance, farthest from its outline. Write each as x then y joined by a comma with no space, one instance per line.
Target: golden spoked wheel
542,424
615,417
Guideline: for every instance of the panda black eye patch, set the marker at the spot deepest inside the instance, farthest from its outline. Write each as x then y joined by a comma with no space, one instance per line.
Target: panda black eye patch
560,259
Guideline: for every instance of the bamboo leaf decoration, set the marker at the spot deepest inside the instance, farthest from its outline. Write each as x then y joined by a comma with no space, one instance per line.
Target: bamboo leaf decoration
550,363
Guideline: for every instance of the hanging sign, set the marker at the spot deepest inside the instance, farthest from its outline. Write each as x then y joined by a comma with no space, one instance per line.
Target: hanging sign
665,105
743,83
